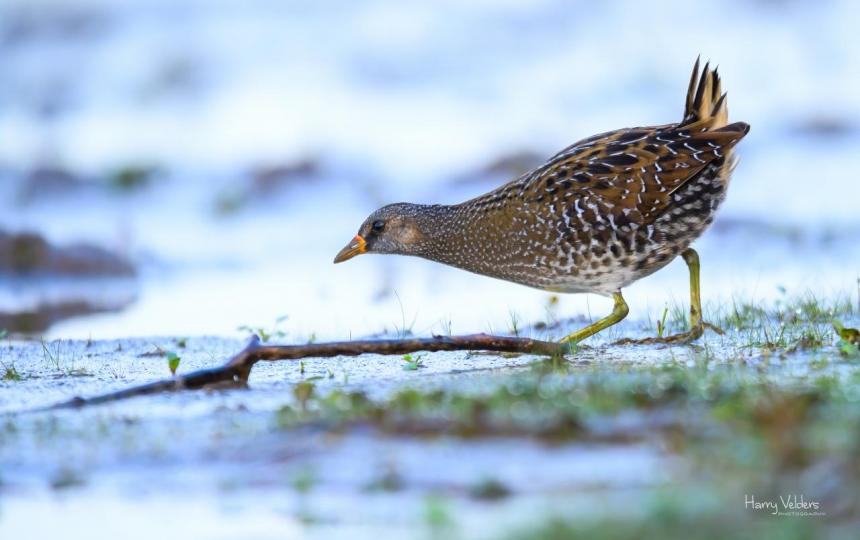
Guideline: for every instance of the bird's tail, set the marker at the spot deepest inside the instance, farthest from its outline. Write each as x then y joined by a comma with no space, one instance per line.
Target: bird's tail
706,108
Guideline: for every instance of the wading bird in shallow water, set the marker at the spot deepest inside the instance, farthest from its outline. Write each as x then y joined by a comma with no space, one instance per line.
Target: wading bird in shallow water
598,216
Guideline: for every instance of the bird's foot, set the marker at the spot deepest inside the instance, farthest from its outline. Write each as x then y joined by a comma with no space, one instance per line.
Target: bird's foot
682,338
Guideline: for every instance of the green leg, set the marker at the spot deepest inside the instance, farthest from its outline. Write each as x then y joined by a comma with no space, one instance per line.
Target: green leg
697,326
618,313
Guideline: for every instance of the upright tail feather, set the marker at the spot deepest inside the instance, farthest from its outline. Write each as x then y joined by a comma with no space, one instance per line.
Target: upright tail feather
706,107
706,118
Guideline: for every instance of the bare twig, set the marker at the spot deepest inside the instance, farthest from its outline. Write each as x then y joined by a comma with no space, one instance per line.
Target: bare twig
236,371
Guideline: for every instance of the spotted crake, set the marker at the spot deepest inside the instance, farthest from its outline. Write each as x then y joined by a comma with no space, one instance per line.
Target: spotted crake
599,215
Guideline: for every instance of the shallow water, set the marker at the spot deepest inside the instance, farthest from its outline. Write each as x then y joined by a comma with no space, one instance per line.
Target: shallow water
216,464
221,451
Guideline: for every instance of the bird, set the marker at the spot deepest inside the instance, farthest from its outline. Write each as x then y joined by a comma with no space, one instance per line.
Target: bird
598,216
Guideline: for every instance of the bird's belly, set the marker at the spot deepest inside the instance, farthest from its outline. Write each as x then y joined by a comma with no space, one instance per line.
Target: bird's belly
616,260
607,260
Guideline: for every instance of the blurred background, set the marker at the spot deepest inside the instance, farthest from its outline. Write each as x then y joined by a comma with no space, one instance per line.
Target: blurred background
190,167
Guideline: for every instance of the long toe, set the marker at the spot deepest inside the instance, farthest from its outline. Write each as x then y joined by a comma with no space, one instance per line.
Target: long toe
682,338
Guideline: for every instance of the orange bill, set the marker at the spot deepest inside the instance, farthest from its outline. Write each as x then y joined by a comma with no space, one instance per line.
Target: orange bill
356,247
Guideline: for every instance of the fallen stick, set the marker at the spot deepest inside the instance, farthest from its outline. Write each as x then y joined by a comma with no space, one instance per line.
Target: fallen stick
236,370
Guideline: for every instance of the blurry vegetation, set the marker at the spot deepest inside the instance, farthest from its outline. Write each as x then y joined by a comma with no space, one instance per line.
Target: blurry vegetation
849,340
404,329
63,357
63,21
179,75
132,177
267,334
389,481
679,520
741,430
661,324
514,324
437,516
801,322
10,373
262,182
413,362
790,323
46,179
66,478
304,480
173,361
503,168
490,489
53,180
825,126
551,320
447,326
557,406
30,253
267,179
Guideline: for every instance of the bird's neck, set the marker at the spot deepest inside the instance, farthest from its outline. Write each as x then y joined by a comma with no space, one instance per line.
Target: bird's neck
454,236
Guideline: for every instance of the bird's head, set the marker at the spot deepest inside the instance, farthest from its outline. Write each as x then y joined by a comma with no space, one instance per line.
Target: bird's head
396,228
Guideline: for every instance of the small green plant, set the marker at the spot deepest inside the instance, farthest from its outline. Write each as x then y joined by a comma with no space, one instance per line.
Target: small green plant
3,333
10,373
514,326
173,361
849,340
62,361
679,317
405,329
661,324
181,342
447,326
412,362
266,334
303,392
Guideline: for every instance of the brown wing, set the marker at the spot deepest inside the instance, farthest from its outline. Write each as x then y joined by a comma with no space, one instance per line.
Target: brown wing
629,175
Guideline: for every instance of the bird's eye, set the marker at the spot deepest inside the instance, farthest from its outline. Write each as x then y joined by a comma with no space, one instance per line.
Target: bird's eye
378,226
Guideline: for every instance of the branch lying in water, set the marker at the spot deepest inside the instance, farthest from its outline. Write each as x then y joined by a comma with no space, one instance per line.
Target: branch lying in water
236,371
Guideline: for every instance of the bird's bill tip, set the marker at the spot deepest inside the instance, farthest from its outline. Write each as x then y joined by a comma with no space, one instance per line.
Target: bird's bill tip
356,246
